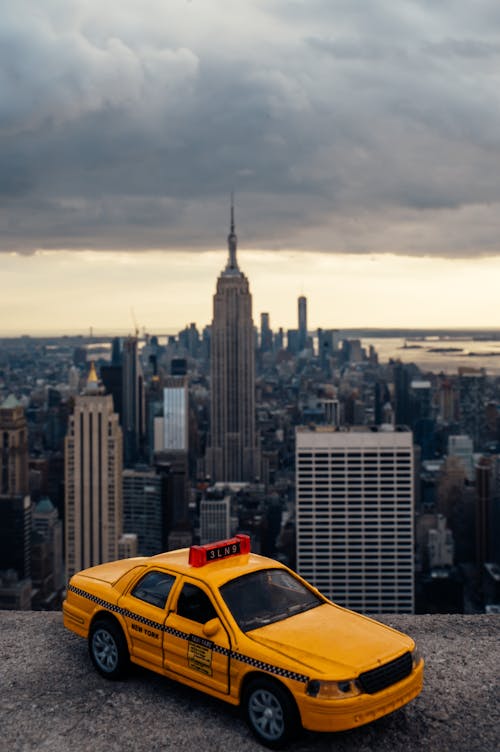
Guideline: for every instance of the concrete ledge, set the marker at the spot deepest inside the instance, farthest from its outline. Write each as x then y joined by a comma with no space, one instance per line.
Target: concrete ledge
52,699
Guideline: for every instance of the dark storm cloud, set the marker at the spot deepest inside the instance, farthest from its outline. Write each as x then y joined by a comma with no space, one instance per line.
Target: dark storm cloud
342,126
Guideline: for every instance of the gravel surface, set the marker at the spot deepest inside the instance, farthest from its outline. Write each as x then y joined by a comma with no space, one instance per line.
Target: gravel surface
52,698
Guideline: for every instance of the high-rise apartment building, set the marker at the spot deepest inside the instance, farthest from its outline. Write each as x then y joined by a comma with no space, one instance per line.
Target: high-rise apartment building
93,480
355,524
233,454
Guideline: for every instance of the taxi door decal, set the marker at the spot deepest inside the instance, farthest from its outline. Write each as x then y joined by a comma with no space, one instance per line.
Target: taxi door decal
200,654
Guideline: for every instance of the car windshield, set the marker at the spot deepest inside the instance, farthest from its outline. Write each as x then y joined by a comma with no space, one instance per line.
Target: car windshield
267,596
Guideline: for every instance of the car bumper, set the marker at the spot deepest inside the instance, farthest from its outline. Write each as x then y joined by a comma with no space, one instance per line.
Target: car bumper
75,619
338,715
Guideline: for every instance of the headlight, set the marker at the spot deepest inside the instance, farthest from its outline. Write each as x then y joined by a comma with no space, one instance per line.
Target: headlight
416,656
333,690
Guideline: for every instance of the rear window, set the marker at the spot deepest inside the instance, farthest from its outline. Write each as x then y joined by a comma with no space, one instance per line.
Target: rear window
154,588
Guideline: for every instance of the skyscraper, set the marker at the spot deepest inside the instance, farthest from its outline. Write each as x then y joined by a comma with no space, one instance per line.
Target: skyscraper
15,503
93,480
133,404
175,413
473,400
485,493
13,448
47,524
144,509
266,334
233,453
15,534
355,525
402,379
112,377
302,310
171,448
463,447
215,519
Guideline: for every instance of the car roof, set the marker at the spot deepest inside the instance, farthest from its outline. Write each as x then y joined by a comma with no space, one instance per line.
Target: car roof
216,572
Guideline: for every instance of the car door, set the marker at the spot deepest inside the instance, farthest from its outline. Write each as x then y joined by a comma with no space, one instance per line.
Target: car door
144,611
197,643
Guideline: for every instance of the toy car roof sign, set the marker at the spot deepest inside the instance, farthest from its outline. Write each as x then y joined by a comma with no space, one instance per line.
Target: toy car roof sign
201,555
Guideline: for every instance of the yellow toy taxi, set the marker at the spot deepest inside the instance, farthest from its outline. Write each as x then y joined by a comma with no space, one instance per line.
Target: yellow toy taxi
248,630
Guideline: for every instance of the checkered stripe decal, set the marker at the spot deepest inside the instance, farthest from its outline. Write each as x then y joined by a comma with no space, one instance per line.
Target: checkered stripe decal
184,636
268,667
95,599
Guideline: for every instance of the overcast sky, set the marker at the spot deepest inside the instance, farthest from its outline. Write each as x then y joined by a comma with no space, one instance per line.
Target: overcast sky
365,127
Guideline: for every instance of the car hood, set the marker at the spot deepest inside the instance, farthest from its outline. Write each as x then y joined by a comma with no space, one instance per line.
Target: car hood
332,641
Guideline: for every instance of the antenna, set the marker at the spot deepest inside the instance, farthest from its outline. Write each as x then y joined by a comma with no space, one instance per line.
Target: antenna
134,321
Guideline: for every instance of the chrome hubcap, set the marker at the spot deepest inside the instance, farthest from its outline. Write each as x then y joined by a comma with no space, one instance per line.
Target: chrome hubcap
105,650
266,714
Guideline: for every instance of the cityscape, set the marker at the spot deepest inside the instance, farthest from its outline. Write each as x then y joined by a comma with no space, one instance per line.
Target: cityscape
249,264
377,478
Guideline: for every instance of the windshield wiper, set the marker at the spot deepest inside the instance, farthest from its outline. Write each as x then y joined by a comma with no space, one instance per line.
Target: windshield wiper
261,621
299,608
257,621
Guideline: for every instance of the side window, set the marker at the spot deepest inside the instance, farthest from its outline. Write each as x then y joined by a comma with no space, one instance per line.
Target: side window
154,588
195,604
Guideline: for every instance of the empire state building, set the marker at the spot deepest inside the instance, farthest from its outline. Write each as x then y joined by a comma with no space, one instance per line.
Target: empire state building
233,454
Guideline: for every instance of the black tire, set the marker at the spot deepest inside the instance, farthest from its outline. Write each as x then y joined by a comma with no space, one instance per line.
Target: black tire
270,712
108,648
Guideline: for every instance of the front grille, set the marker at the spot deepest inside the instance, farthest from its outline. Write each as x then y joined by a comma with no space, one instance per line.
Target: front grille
386,675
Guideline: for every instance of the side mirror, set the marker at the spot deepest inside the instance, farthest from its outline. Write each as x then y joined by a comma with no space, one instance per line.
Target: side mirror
211,627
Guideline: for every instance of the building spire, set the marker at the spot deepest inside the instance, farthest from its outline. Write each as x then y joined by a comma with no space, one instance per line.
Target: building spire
92,386
232,241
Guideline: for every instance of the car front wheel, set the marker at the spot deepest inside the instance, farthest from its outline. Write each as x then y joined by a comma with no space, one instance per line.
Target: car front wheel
271,713
108,649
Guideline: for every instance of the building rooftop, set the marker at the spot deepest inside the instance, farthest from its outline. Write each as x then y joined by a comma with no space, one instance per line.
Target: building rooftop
44,506
10,403
328,428
53,699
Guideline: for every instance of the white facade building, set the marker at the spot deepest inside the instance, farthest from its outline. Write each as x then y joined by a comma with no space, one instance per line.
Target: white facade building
171,431
175,414
93,480
355,516
215,519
